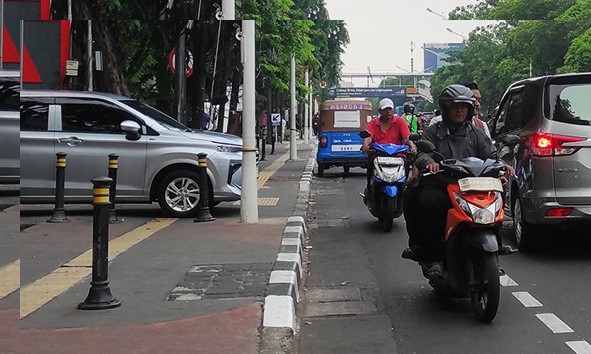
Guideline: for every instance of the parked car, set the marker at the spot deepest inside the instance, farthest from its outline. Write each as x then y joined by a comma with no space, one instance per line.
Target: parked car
9,126
157,154
552,117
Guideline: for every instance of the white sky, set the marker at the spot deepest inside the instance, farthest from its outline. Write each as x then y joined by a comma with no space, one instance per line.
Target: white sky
381,31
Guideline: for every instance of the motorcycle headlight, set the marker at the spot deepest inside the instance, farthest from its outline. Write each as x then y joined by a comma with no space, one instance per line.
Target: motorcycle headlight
483,216
389,174
479,215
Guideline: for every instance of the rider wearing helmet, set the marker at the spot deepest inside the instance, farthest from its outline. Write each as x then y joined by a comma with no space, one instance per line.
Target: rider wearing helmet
412,121
427,205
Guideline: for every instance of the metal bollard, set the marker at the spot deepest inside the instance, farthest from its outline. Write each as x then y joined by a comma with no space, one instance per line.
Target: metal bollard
203,204
99,296
264,139
113,166
59,214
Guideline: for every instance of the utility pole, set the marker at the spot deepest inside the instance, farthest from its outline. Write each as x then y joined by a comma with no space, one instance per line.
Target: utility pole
249,212
228,10
89,55
180,64
306,113
293,149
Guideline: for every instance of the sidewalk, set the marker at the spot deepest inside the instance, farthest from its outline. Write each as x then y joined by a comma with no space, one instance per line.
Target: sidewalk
184,287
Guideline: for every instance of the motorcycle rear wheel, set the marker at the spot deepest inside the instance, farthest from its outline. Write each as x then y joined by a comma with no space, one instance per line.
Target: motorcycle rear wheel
485,298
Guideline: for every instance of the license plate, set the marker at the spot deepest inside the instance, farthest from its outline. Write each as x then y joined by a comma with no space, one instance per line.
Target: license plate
386,160
345,147
480,184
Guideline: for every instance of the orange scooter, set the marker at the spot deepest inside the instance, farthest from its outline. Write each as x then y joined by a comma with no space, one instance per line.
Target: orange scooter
470,265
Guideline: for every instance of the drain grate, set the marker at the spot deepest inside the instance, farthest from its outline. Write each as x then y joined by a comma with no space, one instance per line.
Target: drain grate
343,301
222,281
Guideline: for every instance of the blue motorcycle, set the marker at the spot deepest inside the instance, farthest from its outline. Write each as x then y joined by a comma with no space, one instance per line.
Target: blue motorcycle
383,197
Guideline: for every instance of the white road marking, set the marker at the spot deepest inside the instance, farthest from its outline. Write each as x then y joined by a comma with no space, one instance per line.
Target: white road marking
526,299
506,281
580,347
554,323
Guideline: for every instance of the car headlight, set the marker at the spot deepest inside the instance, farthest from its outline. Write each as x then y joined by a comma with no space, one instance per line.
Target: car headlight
229,148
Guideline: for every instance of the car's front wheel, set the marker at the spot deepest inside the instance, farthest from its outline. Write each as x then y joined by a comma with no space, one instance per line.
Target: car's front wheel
179,193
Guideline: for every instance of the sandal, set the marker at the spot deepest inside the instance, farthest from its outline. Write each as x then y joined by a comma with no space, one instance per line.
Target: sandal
435,270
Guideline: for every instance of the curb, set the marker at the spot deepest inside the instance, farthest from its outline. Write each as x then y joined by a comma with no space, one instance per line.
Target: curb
279,313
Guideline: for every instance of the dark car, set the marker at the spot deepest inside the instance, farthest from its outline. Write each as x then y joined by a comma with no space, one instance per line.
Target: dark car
552,117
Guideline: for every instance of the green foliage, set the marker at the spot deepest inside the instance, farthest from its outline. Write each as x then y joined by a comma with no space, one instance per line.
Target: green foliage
537,37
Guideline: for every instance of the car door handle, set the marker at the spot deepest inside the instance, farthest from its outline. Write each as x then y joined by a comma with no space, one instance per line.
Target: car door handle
71,141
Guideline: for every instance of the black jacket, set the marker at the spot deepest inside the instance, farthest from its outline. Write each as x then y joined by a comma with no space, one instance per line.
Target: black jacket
467,141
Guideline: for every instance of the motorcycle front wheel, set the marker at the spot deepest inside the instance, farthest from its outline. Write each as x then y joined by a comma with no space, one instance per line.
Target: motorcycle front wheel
389,210
485,297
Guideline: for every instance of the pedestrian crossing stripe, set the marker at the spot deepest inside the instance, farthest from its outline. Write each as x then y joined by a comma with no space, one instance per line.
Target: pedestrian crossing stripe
10,278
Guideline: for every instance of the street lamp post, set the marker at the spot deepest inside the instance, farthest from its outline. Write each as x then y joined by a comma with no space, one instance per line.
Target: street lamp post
437,14
457,34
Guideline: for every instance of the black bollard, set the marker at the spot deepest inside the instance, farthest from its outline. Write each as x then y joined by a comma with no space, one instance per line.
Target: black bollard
59,214
113,166
273,136
203,204
99,296
264,139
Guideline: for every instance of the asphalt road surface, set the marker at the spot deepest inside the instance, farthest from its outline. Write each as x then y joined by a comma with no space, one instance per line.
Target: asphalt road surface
360,296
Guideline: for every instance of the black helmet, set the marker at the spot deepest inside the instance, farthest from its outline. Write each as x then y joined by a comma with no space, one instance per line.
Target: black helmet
456,94
409,108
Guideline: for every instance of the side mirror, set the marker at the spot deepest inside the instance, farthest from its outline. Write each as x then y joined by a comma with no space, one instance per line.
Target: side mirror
415,137
510,140
364,134
131,129
425,146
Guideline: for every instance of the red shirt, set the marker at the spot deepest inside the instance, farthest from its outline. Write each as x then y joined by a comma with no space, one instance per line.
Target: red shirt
395,133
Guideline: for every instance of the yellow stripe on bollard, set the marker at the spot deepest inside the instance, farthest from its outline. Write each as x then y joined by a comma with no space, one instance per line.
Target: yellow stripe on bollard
100,195
113,164
60,162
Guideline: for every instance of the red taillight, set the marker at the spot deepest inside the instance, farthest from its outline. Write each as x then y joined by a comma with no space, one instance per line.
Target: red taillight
559,212
323,141
552,145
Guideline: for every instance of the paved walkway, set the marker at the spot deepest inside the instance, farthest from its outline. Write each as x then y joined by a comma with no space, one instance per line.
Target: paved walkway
184,287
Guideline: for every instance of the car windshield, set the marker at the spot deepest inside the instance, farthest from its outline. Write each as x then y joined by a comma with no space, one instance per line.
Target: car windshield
164,120
570,103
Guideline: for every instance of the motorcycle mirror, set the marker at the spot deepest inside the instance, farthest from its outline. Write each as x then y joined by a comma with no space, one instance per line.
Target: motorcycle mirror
364,134
425,146
510,140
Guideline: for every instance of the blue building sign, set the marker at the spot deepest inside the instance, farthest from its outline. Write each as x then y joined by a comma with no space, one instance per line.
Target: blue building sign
435,54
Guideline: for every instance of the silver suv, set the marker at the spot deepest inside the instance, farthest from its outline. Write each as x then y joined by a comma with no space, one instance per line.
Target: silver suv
157,154
552,117
9,126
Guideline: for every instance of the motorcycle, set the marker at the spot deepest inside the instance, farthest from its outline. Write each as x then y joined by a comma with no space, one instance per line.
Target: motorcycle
383,197
470,265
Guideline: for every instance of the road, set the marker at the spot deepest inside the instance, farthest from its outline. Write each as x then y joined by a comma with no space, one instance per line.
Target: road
360,296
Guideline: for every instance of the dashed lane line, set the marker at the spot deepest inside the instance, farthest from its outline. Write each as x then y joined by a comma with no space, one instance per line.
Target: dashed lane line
580,346
554,323
10,277
506,281
526,299
43,290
